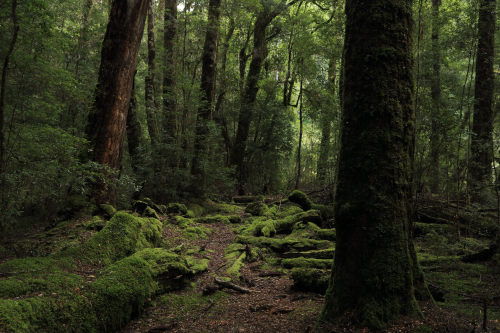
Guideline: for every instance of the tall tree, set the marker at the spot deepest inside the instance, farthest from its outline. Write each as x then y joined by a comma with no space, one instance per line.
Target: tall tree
107,121
205,111
5,68
372,276
149,89
482,125
435,139
251,88
169,100
134,131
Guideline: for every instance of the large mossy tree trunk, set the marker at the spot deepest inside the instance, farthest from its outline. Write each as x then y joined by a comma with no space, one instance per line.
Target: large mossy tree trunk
482,125
372,276
107,120
205,111
435,138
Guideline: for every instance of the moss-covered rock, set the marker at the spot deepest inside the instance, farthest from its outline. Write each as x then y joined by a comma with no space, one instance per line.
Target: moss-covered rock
301,199
307,279
107,210
97,223
257,208
227,219
237,265
176,208
150,212
123,235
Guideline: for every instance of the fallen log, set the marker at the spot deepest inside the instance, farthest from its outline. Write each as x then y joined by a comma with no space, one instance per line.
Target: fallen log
230,285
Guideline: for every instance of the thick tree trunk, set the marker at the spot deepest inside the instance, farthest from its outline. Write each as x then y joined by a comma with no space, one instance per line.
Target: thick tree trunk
149,89
482,125
326,125
435,139
134,131
5,68
372,277
169,84
205,111
107,121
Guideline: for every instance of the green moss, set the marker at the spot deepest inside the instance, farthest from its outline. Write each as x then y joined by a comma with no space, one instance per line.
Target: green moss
97,223
227,219
108,210
182,306
307,263
176,209
318,254
150,212
307,279
237,265
281,245
301,199
122,236
220,207
41,282
196,209
256,208
190,214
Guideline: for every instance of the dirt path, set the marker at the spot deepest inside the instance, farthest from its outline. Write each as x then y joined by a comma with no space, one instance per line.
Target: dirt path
271,306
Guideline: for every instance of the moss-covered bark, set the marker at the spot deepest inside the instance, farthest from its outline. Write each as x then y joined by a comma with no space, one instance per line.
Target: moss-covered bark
372,277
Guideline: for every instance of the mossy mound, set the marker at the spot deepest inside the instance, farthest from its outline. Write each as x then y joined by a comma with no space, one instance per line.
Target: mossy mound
307,279
257,208
227,219
107,210
176,208
190,228
301,199
123,235
62,302
317,254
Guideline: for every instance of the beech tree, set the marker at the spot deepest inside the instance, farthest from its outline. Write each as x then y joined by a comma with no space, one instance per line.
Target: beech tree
372,277
107,121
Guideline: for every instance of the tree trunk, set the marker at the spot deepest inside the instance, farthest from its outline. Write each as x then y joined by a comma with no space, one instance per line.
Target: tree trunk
326,125
149,89
134,131
372,277
169,100
436,135
107,121
299,148
205,111
5,69
259,54
482,125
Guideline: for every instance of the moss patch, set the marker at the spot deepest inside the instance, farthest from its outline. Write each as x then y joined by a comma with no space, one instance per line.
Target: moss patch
307,279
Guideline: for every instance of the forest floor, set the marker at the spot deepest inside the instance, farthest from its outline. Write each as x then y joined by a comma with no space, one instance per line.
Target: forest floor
271,255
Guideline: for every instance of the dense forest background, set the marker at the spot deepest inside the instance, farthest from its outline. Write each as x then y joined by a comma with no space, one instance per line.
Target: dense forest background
266,136
153,146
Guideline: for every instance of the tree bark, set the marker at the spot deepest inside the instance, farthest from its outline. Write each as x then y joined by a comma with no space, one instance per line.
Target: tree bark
5,68
107,121
435,138
372,276
482,125
149,89
205,111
